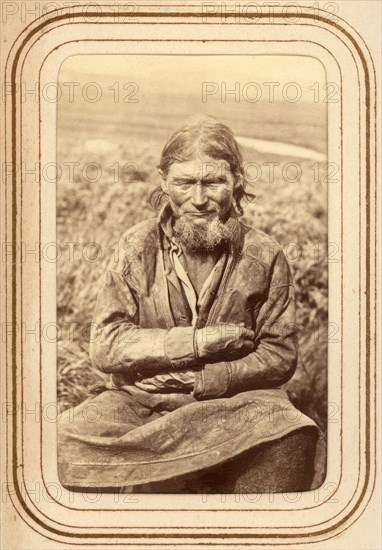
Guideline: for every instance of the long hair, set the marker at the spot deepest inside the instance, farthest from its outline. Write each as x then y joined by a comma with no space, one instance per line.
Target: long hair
203,135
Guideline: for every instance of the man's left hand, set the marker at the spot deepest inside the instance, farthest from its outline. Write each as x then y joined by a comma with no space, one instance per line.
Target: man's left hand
180,380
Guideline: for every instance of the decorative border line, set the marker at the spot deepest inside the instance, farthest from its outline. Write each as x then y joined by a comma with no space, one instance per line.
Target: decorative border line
41,429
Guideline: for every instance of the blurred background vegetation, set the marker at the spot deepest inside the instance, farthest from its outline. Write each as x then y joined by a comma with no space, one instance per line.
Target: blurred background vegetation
108,150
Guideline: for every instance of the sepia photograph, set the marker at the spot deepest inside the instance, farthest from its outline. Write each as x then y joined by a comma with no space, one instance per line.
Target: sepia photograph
190,226
192,284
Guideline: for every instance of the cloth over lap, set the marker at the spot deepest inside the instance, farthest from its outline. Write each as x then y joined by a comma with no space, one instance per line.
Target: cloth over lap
131,437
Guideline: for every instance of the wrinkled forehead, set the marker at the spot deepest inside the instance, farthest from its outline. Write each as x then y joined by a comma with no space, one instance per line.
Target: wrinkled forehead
200,167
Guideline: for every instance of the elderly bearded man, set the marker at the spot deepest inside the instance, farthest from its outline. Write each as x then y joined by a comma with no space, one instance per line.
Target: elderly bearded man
195,323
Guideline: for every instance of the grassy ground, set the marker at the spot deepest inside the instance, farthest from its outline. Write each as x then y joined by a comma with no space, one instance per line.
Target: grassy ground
98,204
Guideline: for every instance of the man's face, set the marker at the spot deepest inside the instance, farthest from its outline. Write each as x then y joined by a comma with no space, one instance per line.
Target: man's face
200,189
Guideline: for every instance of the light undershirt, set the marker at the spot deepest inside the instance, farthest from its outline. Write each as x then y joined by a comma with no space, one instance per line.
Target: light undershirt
193,300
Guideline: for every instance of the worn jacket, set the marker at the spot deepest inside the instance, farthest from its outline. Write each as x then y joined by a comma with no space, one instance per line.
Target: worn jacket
136,329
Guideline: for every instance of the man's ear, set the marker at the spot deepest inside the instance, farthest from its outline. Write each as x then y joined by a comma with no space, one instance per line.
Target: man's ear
163,182
239,180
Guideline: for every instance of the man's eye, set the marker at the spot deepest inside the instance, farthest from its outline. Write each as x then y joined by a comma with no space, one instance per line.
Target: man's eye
214,182
184,183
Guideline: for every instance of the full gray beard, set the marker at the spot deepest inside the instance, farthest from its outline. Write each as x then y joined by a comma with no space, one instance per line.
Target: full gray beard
201,238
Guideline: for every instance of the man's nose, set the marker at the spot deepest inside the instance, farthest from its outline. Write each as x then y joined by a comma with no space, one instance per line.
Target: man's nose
199,196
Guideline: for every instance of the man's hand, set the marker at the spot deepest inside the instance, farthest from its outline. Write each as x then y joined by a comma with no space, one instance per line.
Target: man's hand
182,380
224,342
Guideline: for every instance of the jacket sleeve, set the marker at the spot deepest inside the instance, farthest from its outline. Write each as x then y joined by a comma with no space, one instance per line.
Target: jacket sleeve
274,359
119,345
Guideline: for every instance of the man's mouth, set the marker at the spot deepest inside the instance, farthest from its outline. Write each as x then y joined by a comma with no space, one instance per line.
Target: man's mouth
201,213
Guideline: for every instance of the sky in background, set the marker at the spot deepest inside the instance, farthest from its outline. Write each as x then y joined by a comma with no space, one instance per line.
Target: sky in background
183,74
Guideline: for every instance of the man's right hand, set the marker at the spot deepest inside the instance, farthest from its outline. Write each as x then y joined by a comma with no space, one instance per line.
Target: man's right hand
223,342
